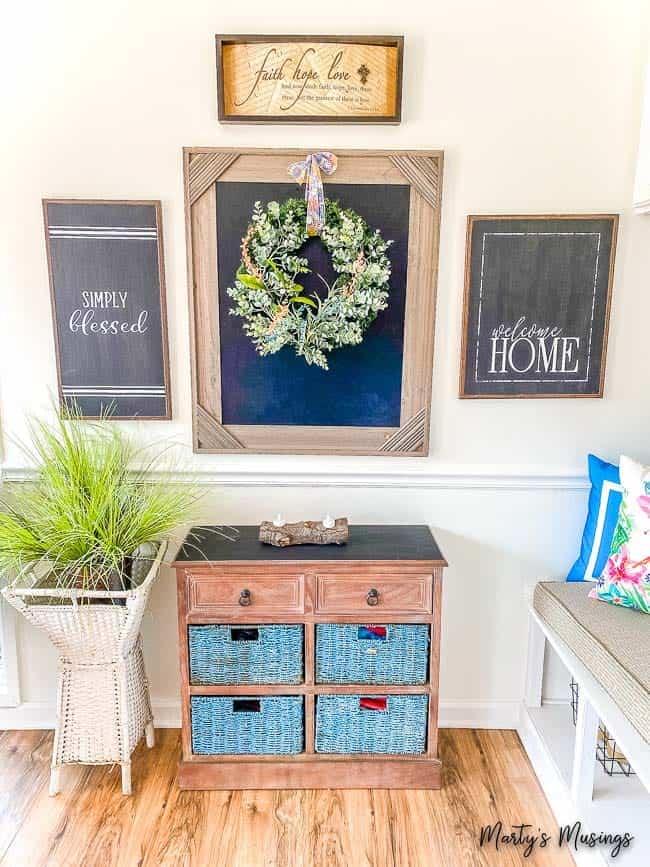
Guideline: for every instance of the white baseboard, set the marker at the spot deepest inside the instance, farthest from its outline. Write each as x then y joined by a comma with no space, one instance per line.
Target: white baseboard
42,715
27,715
478,714
167,715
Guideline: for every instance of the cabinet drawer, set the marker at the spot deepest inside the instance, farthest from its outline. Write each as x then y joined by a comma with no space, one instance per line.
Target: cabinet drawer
391,594
245,594
356,653
371,724
245,654
247,725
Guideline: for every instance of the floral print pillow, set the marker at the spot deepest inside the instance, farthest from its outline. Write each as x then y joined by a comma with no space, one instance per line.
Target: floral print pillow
626,577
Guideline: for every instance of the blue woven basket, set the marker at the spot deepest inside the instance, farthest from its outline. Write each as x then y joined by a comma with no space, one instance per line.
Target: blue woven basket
245,654
242,725
344,726
353,653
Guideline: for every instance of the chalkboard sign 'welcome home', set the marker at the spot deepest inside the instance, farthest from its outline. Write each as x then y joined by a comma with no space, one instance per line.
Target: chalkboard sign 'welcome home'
537,298
108,302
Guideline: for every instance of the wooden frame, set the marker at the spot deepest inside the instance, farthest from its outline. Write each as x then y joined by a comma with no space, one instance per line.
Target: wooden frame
422,171
156,204
394,117
471,219
309,769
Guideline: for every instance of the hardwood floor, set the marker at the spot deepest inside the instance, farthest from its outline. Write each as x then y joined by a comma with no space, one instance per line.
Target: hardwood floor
486,777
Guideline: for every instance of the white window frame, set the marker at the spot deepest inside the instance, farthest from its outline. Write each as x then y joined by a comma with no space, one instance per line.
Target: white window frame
9,681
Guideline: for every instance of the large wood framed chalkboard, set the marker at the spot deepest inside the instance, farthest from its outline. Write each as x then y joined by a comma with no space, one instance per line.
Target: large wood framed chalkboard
375,397
537,300
107,287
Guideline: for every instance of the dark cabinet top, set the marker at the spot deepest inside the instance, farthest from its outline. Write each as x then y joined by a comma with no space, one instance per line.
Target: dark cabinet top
367,542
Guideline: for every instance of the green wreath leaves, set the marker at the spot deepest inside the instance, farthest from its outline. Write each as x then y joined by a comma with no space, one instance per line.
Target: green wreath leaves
268,294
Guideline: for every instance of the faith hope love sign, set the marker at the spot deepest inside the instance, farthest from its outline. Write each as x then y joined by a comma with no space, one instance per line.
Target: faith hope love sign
537,299
309,79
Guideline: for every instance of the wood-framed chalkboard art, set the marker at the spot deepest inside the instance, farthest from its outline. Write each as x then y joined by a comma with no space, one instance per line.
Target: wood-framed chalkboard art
107,286
375,397
536,310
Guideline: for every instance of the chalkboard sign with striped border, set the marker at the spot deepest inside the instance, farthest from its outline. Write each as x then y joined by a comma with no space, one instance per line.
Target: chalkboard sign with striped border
537,299
107,286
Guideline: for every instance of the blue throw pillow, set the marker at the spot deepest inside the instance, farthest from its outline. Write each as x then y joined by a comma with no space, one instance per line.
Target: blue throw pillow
602,516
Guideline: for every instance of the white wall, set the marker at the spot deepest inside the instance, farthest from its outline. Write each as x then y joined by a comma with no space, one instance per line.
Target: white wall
537,107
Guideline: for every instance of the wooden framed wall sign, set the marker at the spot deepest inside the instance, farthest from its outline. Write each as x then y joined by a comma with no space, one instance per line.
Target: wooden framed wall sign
536,309
309,79
375,397
107,287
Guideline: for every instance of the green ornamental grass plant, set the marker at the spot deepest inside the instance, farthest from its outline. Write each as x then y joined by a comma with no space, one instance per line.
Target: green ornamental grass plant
97,498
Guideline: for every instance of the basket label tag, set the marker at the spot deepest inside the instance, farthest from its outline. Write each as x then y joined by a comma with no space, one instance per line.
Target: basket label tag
372,633
374,703
245,634
246,705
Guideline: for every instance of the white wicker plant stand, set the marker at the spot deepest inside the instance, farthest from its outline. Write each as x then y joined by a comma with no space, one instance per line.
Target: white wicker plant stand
103,706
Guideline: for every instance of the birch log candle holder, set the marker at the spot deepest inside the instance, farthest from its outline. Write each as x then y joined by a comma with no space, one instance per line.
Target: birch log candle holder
304,533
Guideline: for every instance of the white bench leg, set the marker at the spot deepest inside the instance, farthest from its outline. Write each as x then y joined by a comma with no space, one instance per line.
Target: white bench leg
149,735
126,778
55,780
534,664
584,757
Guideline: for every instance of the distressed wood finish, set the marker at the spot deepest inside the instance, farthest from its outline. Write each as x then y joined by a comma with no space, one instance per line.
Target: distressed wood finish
410,437
485,777
204,246
394,594
204,169
346,773
299,439
422,171
420,316
212,435
259,595
404,587
354,167
309,689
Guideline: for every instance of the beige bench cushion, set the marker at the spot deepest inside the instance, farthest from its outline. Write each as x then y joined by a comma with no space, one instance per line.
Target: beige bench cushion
613,642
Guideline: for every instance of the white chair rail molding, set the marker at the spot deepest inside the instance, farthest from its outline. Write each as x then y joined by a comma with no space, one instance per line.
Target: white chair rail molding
324,458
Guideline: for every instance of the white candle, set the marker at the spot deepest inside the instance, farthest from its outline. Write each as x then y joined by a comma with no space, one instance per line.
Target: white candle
328,521
278,521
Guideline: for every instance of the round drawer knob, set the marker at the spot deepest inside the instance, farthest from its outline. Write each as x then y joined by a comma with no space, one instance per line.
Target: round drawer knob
373,597
245,598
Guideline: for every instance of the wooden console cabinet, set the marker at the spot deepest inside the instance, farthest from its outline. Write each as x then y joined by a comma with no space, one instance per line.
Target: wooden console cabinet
383,575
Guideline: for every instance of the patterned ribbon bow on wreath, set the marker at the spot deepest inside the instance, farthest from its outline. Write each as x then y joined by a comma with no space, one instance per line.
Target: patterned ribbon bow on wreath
308,172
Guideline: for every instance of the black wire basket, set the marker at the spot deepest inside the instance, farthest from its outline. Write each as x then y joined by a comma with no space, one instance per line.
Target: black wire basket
611,759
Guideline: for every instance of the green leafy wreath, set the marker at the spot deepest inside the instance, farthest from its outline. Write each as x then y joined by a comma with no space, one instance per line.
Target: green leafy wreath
268,296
